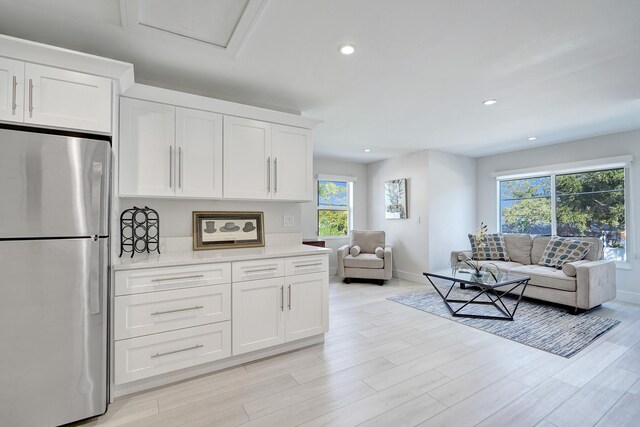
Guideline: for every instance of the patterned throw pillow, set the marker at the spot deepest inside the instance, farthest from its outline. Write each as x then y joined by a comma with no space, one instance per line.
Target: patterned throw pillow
561,250
494,248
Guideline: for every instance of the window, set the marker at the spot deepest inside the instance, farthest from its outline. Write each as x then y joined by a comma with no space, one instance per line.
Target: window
334,203
590,203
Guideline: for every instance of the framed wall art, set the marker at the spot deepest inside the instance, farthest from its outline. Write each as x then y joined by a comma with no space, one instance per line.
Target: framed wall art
217,230
395,199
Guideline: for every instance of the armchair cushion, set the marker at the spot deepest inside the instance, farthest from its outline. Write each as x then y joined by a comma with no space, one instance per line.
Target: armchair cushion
367,240
363,261
380,252
355,250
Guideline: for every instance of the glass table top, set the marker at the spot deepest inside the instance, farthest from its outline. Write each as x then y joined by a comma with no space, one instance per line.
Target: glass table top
486,278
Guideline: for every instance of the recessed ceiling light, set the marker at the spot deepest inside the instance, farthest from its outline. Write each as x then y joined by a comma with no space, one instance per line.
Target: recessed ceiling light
347,49
490,102
532,138
366,150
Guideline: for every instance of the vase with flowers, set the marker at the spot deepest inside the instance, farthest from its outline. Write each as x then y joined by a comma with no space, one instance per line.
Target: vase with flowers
477,269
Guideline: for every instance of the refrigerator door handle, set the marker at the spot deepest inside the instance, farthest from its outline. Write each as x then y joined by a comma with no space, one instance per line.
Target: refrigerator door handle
94,276
96,196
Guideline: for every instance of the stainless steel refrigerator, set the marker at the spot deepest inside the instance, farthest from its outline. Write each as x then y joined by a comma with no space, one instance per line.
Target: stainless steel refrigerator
54,260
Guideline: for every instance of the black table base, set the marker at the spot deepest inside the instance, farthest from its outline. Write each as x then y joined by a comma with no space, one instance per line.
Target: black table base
495,299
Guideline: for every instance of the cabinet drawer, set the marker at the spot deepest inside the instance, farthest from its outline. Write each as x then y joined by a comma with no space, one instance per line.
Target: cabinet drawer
144,357
162,279
306,264
258,269
151,313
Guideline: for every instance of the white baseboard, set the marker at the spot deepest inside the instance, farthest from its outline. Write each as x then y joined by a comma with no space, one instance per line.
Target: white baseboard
626,296
411,277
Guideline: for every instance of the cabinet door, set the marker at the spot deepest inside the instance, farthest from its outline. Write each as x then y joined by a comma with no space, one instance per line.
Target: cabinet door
258,314
307,305
147,151
62,98
199,160
292,150
11,90
247,159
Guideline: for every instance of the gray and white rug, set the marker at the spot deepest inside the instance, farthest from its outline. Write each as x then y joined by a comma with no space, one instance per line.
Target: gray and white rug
537,325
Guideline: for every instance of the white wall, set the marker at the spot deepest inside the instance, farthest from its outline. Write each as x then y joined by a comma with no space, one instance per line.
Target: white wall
409,237
452,205
588,149
176,219
310,214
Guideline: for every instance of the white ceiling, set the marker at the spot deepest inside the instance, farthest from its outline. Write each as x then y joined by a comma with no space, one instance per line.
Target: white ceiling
561,70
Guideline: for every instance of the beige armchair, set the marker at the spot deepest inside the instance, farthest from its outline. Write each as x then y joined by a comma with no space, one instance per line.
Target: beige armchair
365,257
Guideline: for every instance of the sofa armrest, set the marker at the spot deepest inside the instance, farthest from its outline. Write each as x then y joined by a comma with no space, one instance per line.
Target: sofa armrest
388,262
341,253
595,283
457,256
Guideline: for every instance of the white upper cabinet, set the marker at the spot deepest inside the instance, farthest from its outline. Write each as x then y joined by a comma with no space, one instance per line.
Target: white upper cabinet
61,98
267,161
247,159
147,148
168,151
48,96
292,151
199,153
11,90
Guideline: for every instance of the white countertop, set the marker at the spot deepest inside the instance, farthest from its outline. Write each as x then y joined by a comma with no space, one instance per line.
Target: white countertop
172,259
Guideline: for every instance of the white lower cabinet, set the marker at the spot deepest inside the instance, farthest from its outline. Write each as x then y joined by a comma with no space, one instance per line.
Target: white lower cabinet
147,356
258,314
268,312
307,306
171,318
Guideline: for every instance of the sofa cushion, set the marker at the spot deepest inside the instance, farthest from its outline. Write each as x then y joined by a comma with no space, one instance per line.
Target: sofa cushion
561,250
547,277
540,243
494,248
518,247
355,250
380,252
367,240
363,261
503,266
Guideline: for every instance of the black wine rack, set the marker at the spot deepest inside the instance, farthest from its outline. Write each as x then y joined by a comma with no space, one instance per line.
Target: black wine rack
139,231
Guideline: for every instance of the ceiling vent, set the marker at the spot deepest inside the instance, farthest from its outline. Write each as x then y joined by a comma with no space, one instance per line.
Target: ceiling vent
221,24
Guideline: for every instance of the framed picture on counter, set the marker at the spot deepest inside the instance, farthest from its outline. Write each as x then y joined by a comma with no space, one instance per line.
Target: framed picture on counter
217,230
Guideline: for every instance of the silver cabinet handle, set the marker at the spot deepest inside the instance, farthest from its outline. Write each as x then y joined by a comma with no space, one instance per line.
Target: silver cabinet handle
30,96
289,297
94,277
170,166
13,96
275,175
308,265
268,174
153,356
195,307
179,167
281,298
166,279
261,270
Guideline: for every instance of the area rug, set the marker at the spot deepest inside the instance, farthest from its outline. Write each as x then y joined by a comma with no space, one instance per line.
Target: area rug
537,325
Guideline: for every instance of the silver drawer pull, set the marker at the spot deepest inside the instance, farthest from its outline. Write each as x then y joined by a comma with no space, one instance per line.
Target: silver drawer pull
308,265
261,270
153,356
196,307
197,276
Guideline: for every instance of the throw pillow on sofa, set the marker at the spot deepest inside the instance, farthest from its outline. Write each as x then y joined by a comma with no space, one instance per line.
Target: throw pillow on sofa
493,248
561,250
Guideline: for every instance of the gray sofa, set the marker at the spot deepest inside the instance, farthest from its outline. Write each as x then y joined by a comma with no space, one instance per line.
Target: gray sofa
581,284
366,264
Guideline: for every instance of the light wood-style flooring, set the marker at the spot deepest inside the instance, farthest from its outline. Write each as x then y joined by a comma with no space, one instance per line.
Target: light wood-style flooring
385,364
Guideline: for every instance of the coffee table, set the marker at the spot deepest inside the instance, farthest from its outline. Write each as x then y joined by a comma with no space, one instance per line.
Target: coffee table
493,287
